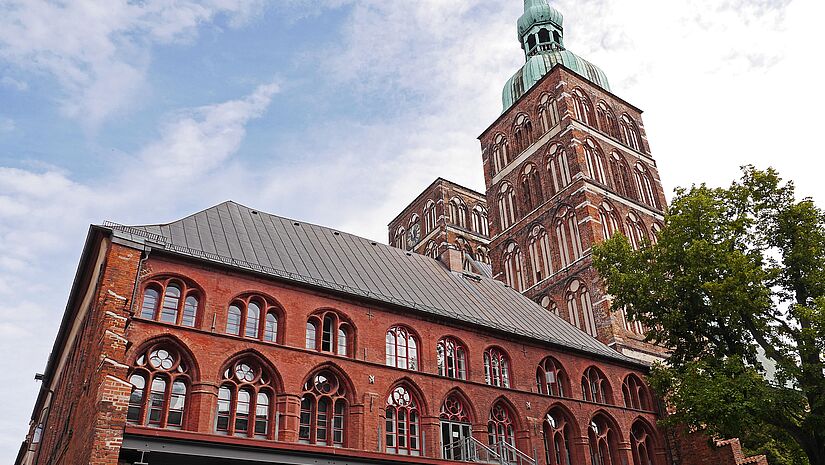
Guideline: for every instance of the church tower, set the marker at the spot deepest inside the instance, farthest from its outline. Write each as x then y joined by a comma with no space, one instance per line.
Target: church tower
567,165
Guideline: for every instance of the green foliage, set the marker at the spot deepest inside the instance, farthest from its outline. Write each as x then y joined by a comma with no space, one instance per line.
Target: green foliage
735,283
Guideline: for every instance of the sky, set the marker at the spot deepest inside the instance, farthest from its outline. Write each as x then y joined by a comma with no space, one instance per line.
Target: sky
339,112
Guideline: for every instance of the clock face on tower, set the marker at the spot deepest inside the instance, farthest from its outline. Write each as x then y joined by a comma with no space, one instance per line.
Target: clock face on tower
414,235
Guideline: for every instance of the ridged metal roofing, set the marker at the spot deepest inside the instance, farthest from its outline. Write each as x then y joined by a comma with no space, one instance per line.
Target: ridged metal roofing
234,235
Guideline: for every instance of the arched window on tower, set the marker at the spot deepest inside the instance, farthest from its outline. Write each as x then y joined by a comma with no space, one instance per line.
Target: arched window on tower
501,157
607,216
501,431
632,325
580,307
253,317
551,379
595,161
496,367
531,187
429,216
179,304
458,212
328,332
636,231
655,231
401,348
558,168
506,205
403,423
539,248
323,411
431,250
595,387
548,113
635,393
246,401
160,380
583,107
452,358
630,133
644,185
400,239
567,235
523,132
558,435
603,439
606,119
621,176
642,444
513,269
480,220
483,254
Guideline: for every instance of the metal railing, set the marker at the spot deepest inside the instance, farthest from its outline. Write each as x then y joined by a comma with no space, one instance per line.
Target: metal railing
510,455
470,449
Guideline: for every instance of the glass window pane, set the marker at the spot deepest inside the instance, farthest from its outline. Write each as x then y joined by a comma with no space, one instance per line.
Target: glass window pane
190,311
169,312
271,328
233,320
150,303
253,316
311,334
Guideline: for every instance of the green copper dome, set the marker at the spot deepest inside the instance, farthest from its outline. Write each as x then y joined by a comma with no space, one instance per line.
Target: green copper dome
542,39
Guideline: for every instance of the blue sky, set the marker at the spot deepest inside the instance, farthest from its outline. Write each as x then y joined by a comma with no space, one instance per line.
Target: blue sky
339,112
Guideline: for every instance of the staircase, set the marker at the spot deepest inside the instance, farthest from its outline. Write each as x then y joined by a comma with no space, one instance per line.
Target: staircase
470,449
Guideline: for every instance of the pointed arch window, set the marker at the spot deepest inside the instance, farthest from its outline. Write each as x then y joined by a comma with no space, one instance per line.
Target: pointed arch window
501,157
326,331
402,348
501,432
513,274
539,249
606,119
631,324
655,231
558,168
621,176
429,216
557,438
595,161
548,112
246,401
635,393
604,447
170,300
496,367
506,205
607,216
458,212
582,107
480,220
630,132
402,423
431,250
595,387
642,444
252,316
160,380
636,230
580,307
400,238
483,254
550,305
323,411
523,132
567,236
644,185
551,378
452,358
455,428
531,187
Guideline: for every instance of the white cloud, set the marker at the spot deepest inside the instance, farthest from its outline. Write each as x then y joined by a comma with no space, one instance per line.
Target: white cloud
99,50
16,84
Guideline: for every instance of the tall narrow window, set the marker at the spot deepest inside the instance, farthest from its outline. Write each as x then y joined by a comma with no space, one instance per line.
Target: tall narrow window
429,216
548,112
642,444
233,320
458,212
432,250
253,317
621,176
604,447
558,168
501,433
531,187
606,119
179,304
607,217
500,156
271,328
506,205
483,254
557,438
580,307
595,161
496,367
341,345
400,239
402,348
567,235
323,408
522,132
513,267
402,423
161,370
635,393
595,387
244,400
312,331
540,254
644,185
480,220
452,358
583,107
630,133
327,332
551,378
636,231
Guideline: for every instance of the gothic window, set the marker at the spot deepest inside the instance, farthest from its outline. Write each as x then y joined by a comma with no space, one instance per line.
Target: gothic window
501,432
160,380
429,216
455,428
500,155
636,230
595,161
400,239
583,107
557,438
458,212
567,236
480,220
246,401
170,300
506,205
635,393
531,186
431,250
641,444
550,305
323,411
452,358
621,176
580,307
523,132
483,254
540,253
595,387
606,119
551,379
558,168
253,317
630,324
326,332
496,367
607,216
513,267
644,185
630,132
402,423
548,112
402,348
602,436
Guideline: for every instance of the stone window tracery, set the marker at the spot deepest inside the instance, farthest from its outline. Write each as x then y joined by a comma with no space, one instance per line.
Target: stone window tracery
160,380
496,367
323,411
403,428
401,348
551,378
246,401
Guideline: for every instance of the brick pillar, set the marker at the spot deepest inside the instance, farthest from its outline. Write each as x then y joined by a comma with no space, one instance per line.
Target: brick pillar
431,436
581,450
288,408
203,403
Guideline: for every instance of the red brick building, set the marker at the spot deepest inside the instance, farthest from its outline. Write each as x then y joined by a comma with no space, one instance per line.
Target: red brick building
237,336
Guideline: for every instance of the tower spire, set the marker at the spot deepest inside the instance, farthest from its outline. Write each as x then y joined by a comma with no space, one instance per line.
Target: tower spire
540,28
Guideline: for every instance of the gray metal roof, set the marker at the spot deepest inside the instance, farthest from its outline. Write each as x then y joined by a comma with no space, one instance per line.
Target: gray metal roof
234,235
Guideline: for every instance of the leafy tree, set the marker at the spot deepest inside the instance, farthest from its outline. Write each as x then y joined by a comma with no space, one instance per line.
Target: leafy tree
735,286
